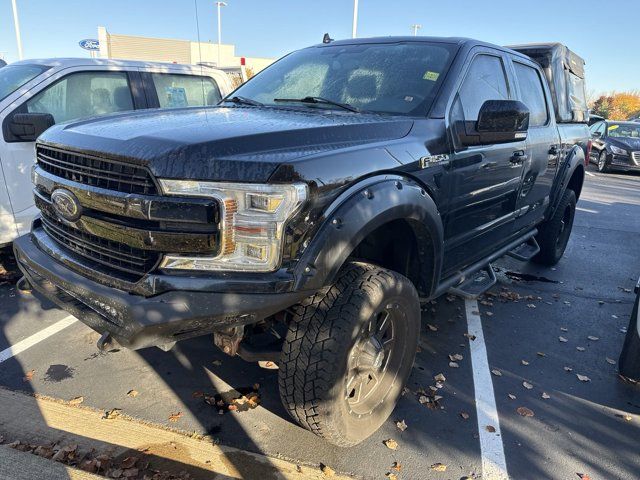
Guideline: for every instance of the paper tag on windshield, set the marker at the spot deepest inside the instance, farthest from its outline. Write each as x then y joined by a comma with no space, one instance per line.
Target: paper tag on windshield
433,76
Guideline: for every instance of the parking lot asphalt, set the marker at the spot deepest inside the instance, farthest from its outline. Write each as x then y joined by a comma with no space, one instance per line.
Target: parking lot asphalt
542,328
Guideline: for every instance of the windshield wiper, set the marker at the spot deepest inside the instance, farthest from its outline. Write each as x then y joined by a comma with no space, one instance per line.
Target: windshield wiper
242,101
322,100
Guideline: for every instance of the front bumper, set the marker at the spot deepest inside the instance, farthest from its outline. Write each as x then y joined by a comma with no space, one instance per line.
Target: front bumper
136,321
623,162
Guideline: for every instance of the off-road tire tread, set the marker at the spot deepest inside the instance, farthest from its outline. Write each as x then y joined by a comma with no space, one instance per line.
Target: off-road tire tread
312,342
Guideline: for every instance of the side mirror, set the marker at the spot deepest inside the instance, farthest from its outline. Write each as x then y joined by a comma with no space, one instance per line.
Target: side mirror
28,126
499,121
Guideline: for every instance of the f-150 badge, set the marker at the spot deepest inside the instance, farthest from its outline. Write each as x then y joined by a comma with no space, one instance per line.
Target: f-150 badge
430,160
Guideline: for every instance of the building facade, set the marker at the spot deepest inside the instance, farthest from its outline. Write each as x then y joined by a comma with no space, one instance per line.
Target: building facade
131,47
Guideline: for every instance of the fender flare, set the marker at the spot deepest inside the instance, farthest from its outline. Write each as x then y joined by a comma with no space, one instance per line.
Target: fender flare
574,161
359,211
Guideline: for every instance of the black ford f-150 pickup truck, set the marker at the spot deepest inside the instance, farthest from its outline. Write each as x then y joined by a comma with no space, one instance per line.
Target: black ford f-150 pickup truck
324,199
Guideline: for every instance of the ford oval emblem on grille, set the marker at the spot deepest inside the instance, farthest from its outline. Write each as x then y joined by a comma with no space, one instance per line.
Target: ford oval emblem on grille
66,205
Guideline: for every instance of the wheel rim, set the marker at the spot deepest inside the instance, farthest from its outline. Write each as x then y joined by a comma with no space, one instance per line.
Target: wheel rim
601,162
373,361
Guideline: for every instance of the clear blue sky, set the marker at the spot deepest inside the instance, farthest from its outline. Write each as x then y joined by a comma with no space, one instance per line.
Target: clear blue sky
269,28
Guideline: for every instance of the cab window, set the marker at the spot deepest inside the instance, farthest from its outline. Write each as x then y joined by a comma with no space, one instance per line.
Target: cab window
532,94
83,94
485,80
176,90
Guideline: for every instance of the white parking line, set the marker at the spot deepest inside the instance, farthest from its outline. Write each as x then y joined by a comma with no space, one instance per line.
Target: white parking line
590,174
494,465
29,342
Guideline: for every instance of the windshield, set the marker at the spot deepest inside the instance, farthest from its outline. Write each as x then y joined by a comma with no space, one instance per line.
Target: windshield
624,130
398,78
12,77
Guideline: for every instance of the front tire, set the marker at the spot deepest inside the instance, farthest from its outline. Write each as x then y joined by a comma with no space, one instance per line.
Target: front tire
602,162
348,352
553,235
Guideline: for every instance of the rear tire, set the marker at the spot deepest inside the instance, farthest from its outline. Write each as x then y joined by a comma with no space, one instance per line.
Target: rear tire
348,352
553,235
602,162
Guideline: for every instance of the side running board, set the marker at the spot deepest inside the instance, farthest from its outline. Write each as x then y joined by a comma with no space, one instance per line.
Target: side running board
477,284
525,251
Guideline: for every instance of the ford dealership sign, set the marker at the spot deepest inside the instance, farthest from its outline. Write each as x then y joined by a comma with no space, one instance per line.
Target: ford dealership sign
89,44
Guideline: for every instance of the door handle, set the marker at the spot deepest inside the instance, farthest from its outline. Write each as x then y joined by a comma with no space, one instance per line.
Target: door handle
519,156
487,165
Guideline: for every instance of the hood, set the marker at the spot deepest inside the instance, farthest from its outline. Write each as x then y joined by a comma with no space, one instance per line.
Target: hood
222,143
630,144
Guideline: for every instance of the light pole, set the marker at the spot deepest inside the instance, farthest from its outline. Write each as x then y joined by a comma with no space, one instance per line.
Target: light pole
354,27
416,27
17,27
219,4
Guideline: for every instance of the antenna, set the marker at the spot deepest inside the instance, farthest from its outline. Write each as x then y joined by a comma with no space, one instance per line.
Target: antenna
327,38
416,27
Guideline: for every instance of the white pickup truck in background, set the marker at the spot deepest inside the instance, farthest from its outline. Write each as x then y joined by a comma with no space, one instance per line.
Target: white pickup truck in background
35,94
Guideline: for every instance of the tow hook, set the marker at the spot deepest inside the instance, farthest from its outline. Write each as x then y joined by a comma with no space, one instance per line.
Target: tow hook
105,342
24,286
228,339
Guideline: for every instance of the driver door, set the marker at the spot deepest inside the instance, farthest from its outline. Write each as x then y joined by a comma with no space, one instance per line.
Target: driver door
482,181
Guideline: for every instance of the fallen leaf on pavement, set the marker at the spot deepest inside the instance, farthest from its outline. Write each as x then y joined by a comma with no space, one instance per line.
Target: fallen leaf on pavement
580,349
439,467
568,369
433,328
327,471
583,378
28,376
490,429
564,329
583,476
626,417
76,401
464,415
541,354
456,357
128,462
527,385
111,414
496,372
174,417
563,340
423,399
524,362
132,393
512,396
391,444
592,338
440,378
470,337
217,363
402,426
546,396
454,365
611,361
396,466
525,412
391,476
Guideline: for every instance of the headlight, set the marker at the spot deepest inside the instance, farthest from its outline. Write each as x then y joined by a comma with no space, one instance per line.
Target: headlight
252,219
618,150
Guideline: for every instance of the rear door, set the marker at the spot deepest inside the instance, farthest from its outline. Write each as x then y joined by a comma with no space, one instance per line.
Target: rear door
543,144
482,181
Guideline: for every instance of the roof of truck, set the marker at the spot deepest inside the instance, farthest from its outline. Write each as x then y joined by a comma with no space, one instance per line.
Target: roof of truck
397,39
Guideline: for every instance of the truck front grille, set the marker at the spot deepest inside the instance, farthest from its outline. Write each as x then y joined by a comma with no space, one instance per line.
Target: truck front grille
131,263
96,172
